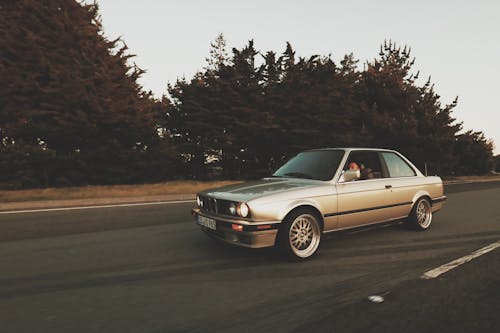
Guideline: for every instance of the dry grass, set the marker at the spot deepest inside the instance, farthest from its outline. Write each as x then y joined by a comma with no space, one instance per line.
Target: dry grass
112,191
473,178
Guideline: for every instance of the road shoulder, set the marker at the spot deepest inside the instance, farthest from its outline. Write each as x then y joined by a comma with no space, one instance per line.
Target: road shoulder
48,204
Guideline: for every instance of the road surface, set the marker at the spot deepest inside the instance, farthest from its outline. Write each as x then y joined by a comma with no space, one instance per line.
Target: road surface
149,269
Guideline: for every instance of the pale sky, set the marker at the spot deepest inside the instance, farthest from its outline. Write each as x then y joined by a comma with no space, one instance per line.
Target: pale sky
456,42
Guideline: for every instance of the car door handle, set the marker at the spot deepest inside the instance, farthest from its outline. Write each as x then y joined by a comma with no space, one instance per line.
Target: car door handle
388,186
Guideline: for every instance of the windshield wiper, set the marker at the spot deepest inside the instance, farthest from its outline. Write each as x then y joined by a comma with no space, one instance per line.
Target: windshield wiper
298,175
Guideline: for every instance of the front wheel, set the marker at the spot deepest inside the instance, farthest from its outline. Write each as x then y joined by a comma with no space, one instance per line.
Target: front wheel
421,215
300,235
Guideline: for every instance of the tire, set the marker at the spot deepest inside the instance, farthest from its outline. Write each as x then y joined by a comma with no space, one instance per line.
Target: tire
420,217
299,235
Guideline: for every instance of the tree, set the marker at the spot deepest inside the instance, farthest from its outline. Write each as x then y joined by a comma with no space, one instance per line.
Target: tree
474,154
214,110
405,116
245,117
218,55
72,95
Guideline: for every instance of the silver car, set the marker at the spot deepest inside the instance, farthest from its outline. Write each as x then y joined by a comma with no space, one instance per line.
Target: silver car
317,192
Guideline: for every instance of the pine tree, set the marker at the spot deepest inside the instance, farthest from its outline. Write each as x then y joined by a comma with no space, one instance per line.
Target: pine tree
69,94
253,117
218,55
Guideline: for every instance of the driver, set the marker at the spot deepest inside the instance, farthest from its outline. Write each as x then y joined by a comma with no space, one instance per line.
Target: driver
353,166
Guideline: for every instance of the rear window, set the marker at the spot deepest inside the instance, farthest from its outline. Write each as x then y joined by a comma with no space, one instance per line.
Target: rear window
396,166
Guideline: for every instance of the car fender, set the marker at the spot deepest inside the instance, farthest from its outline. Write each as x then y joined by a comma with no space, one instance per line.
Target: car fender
297,203
419,194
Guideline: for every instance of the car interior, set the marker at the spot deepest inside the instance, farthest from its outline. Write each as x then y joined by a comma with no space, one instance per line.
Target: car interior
368,163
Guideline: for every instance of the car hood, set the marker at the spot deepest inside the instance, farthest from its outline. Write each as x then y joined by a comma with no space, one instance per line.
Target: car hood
244,192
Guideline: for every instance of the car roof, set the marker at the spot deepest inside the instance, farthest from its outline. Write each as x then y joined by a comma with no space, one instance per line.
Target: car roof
348,149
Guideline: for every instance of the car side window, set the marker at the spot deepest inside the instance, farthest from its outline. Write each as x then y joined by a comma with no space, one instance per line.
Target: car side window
396,166
367,162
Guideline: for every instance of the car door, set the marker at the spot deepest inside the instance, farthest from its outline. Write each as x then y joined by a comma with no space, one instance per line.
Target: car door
367,199
404,183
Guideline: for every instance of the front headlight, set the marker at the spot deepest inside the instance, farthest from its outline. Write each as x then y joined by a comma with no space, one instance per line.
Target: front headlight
199,202
242,209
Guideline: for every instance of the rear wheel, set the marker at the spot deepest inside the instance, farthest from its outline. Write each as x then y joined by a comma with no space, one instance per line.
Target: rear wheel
421,215
300,235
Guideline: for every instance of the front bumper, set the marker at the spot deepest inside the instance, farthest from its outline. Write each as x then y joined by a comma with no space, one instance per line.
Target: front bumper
250,236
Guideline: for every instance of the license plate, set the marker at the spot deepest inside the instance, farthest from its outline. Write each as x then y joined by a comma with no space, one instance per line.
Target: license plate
206,222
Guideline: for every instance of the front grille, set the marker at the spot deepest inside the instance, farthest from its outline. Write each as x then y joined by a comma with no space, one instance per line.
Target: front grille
215,206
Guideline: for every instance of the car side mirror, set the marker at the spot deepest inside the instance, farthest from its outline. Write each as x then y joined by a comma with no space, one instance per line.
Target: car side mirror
350,175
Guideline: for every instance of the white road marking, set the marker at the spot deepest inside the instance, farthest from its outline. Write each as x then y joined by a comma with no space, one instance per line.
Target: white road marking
376,299
95,207
434,273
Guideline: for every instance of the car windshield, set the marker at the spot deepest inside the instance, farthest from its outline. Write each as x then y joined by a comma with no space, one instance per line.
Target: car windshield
316,164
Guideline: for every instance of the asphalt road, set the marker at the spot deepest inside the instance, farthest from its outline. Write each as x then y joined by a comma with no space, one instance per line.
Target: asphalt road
149,269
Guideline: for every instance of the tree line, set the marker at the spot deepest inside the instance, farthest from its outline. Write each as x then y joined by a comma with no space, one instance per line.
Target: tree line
251,111
73,113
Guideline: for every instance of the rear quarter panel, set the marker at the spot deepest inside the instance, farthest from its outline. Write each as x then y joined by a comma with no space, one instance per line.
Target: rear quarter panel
410,189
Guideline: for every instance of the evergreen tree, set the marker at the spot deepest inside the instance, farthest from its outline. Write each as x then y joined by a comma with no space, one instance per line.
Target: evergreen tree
404,116
474,154
218,55
245,117
70,95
